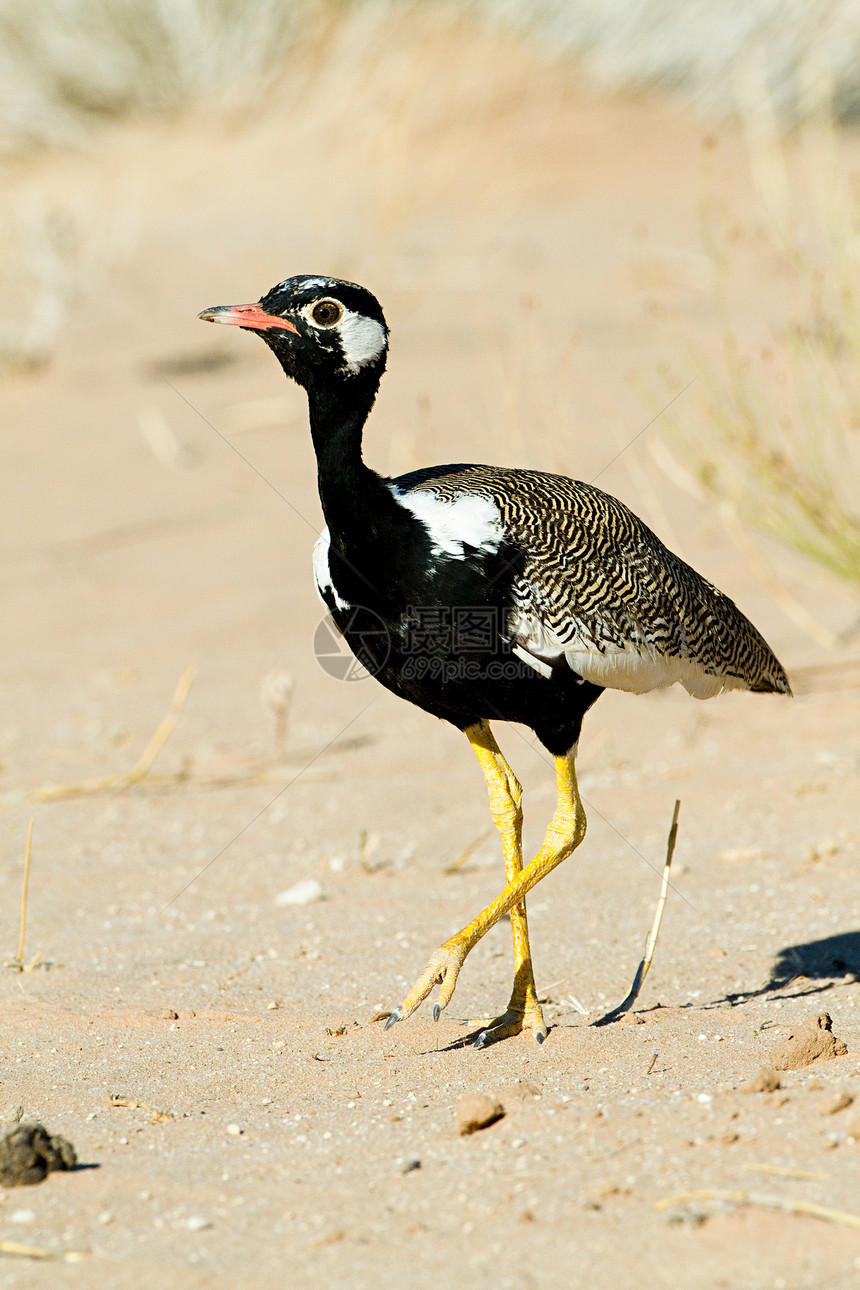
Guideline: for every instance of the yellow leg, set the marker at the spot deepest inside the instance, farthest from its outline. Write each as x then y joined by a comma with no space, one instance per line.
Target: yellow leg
523,1010
566,831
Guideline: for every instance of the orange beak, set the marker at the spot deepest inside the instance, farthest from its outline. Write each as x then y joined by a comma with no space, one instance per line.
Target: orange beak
251,317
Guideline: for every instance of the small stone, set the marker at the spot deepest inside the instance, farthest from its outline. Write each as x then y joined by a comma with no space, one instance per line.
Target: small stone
840,1103
234,1130
273,1005
522,1090
23,1216
303,893
168,1014
767,1081
410,1164
478,1111
810,1042
197,1223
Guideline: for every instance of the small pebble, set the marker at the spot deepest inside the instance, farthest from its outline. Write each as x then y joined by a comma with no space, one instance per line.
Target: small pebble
303,893
839,1103
410,1164
23,1216
272,1005
520,1090
767,1081
477,1112
197,1223
234,1130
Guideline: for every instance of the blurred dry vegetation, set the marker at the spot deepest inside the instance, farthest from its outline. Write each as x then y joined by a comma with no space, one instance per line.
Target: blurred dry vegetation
772,432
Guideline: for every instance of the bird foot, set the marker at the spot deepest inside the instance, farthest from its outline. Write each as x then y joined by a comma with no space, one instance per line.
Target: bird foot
443,969
513,1021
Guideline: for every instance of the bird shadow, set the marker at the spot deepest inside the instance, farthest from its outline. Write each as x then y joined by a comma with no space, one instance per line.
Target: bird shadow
813,967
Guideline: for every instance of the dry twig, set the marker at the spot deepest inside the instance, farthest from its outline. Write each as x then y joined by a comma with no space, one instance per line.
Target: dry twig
140,770
158,1114
651,943
35,1252
457,863
781,1171
18,961
765,1201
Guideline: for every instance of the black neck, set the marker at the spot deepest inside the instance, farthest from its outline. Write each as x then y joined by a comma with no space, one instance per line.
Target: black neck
348,489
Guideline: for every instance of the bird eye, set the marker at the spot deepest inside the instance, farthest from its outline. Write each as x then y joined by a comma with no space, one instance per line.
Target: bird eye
326,313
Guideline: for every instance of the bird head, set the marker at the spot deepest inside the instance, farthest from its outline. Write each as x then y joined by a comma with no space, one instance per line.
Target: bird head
320,329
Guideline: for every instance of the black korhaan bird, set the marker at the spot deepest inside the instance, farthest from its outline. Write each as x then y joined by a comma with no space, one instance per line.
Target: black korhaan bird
480,594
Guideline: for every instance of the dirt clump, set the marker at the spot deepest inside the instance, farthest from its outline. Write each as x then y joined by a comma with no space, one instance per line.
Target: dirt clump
767,1081
28,1153
810,1042
841,1102
478,1111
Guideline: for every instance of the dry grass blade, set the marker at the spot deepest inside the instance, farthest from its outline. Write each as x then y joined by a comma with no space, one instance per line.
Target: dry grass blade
765,1201
16,1250
651,943
140,770
18,961
457,863
781,1171
159,1115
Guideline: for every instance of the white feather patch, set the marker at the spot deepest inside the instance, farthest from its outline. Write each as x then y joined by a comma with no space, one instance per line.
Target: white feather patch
362,340
308,282
322,571
469,519
633,668
537,663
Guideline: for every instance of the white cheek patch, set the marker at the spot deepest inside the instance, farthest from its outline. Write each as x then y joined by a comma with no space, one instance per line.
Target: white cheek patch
362,340
467,520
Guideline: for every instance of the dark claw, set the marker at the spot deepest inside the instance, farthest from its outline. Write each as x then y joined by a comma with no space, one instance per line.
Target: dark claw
437,1012
540,1037
395,1017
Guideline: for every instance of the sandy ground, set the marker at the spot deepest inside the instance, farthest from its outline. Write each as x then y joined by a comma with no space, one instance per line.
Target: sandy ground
276,1135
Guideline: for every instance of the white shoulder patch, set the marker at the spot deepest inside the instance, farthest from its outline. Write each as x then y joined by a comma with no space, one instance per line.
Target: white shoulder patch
322,571
634,668
469,519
